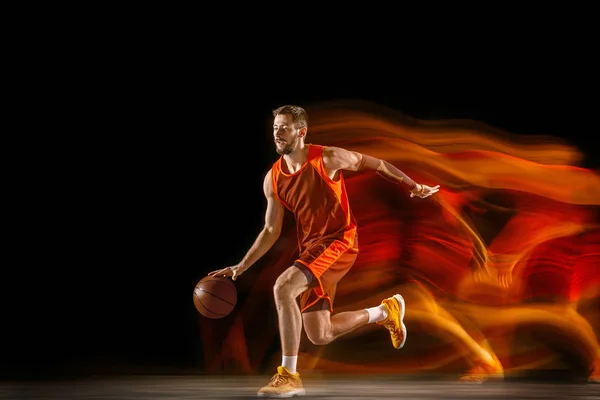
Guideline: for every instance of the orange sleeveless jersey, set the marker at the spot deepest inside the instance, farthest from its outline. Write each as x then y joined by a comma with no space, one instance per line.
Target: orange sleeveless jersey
325,225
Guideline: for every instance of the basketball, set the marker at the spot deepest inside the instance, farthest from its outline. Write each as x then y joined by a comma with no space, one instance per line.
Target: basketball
215,297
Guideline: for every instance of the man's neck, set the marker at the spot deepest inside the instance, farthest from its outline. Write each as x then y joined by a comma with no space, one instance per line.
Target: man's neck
296,159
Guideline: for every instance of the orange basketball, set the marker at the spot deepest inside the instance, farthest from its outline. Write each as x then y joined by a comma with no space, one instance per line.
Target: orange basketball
215,297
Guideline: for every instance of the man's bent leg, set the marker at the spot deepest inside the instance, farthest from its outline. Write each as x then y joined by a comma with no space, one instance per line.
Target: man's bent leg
323,328
286,382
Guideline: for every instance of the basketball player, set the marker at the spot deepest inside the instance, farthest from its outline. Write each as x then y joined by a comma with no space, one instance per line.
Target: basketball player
307,180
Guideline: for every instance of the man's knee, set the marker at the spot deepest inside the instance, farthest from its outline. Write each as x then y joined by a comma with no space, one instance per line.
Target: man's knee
319,338
290,283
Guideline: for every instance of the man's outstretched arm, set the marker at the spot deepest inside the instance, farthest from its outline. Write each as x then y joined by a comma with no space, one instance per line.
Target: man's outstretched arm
336,158
265,239
386,170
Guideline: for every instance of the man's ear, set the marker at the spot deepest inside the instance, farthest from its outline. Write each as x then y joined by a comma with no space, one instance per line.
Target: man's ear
303,131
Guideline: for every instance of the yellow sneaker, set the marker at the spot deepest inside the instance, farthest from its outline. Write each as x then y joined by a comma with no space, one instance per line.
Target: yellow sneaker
283,384
393,322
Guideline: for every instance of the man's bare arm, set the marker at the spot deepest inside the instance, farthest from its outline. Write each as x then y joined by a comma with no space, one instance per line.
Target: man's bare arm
337,158
272,229
265,239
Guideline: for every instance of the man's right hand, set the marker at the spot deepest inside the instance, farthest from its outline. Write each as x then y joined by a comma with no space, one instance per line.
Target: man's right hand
424,191
233,271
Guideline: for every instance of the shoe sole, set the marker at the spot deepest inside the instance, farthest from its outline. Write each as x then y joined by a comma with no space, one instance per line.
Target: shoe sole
297,392
400,300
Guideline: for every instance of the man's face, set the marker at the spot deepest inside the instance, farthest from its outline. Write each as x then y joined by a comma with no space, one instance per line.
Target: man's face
285,134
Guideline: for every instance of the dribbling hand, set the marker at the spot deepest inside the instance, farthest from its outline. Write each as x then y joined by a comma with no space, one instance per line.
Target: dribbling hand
233,271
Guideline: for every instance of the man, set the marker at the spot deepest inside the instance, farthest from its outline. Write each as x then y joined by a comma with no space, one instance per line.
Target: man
307,180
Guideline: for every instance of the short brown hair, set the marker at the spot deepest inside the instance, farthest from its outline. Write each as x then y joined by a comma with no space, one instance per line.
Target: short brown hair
299,115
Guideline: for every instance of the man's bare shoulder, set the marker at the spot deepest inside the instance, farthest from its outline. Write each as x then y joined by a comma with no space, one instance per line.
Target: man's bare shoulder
267,182
336,158
333,152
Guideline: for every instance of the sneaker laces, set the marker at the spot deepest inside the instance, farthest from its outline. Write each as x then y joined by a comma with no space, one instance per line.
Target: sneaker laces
277,380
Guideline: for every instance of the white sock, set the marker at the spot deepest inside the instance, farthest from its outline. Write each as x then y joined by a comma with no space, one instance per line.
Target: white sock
377,314
289,363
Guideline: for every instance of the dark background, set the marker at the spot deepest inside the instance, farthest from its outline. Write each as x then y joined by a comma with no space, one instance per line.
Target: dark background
158,180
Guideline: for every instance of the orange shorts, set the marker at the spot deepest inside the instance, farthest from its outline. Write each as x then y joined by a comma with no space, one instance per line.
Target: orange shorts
324,265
